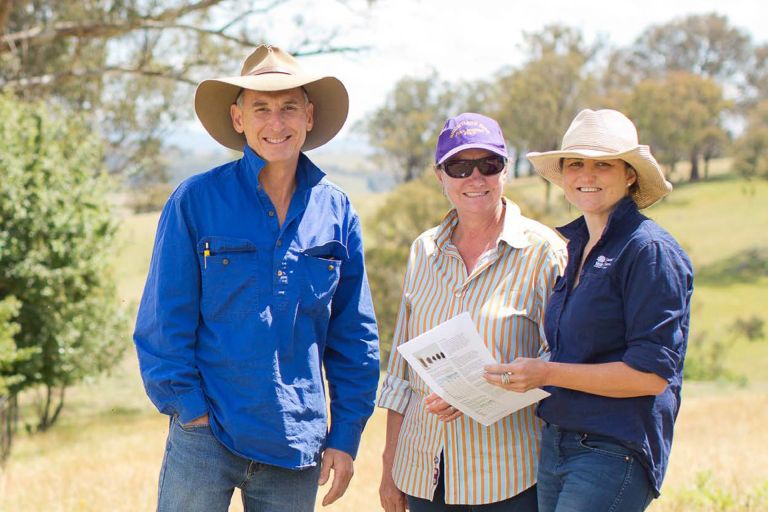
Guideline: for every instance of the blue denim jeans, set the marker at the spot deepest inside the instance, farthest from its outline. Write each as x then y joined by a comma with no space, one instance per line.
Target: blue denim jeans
523,502
200,474
583,472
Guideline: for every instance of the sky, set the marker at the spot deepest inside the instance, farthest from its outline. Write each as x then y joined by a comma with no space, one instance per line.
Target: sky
463,40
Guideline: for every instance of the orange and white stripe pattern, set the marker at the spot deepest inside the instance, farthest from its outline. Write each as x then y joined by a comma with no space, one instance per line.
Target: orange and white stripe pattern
506,296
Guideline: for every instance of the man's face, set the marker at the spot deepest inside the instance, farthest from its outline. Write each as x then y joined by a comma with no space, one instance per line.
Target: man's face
275,124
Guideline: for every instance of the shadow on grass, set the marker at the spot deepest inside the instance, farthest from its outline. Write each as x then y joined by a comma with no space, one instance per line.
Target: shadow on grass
744,267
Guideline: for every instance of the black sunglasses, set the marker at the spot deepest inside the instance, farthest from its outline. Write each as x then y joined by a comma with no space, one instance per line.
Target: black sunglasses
488,166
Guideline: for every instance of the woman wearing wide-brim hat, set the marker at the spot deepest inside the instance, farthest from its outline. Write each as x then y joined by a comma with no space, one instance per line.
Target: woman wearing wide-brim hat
616,324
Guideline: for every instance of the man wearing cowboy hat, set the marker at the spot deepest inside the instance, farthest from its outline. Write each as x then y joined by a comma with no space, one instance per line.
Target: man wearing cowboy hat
257,285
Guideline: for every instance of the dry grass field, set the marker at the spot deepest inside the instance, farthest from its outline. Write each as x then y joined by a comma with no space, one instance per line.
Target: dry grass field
105,452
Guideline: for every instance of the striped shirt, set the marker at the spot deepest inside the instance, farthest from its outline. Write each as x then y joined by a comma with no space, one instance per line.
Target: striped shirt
506,296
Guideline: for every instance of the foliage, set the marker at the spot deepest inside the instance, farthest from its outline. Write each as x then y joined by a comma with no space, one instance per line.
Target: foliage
702,44
706,494
404,130
409,210
10,354
751,148
56,234
131,64
150,198
677,116
535,103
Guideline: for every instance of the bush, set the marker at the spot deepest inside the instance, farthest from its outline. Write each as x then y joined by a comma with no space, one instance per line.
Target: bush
56,239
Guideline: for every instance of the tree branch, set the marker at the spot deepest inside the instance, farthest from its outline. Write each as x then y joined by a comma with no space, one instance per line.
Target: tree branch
41,35
72,74
5,13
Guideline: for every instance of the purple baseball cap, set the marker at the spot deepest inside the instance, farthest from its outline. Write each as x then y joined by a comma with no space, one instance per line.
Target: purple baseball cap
468,131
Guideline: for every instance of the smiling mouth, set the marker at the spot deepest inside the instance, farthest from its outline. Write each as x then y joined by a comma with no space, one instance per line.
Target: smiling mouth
475,194
276,141
589,189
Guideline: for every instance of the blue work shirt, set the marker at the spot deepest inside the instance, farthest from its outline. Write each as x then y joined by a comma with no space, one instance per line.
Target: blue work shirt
632,304
240,315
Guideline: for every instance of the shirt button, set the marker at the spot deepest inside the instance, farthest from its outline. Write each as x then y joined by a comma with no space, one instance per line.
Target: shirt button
331,267
225,261
458,294
279,243
271,213
279,273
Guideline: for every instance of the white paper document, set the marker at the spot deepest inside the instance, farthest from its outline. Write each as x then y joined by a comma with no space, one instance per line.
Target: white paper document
450,358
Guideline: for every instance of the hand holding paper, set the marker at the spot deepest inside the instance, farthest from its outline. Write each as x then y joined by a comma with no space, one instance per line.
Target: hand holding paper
523,374
451,359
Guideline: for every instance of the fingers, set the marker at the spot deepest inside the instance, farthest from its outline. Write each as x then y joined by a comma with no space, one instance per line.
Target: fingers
343,469
509,380
338,487
392,499
325,470
445,411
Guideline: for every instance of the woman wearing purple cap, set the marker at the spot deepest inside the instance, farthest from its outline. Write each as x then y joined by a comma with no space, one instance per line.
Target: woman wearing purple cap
486,259
617,326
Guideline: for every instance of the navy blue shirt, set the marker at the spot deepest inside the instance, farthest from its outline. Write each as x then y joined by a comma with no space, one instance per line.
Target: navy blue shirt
632,304
240,315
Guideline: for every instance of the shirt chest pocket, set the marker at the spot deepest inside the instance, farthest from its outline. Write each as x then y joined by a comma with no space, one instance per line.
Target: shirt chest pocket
230,289
322,269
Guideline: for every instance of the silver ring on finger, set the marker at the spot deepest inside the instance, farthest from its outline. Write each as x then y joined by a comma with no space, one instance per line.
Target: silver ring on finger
505,378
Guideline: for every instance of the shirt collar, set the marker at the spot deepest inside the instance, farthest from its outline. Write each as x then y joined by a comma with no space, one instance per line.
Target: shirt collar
513,232
307,173
619,217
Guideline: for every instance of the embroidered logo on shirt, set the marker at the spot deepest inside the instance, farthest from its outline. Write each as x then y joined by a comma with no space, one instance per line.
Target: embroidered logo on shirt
603,262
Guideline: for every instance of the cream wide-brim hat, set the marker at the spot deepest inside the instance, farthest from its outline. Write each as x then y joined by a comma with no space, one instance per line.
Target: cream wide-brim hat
268,69
606,134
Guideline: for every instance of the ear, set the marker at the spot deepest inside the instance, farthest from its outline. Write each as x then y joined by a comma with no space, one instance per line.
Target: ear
310,116
631,176
236,113
438,174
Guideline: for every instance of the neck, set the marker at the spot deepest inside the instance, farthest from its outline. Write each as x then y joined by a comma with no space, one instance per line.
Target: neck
278,180
279,183
479,226
595,225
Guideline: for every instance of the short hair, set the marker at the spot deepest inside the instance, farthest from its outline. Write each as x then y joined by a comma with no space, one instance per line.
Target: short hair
239,99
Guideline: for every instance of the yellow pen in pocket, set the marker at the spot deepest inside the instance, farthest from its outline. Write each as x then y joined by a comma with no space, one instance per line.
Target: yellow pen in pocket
206,253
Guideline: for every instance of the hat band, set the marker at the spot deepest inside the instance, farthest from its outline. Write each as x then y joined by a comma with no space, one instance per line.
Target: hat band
595,148
271,69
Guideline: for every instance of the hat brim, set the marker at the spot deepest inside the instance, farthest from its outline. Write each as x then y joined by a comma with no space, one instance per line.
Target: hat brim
328,95
651,183
488,147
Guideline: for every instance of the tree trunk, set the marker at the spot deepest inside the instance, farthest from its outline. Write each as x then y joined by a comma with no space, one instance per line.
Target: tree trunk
51,411
706,167
694,165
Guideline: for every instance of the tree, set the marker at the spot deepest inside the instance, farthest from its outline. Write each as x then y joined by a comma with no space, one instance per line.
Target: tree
131,64
404,130
705,45
678,116
409,210
751,148
756,87
535,104
10,354
56,242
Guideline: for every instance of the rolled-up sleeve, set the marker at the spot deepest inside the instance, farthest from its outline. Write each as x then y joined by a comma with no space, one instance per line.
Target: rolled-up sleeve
657,291
351,357
167,320
395,390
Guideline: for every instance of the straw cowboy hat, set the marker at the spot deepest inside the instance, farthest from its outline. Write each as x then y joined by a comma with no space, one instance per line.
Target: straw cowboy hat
269,68
606,134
